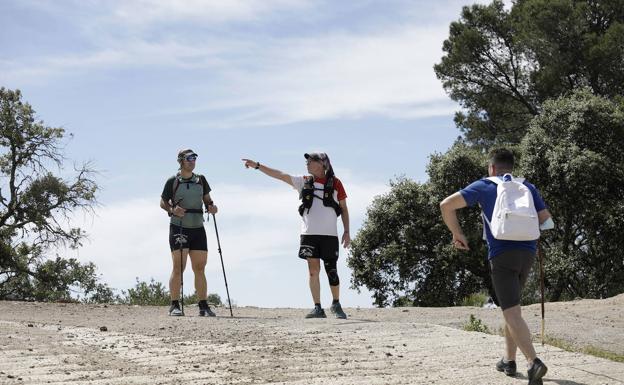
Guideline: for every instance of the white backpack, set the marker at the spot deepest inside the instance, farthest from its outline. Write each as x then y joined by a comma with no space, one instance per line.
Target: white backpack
514,217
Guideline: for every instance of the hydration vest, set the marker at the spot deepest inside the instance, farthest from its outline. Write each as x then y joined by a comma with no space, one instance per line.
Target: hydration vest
194,179
308,195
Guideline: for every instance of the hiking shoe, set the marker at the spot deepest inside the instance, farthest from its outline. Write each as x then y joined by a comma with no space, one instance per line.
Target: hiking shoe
509,367
204,310
336,309
536,372
317,312
174,309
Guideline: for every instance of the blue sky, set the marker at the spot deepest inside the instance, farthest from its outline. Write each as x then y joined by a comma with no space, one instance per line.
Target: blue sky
134,81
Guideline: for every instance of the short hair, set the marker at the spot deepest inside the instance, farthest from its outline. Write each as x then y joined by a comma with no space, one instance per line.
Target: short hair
502,158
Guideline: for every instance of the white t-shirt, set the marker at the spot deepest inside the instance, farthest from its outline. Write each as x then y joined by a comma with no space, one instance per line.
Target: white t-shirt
321,220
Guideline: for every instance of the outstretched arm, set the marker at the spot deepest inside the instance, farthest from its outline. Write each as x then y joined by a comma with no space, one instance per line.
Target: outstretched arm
449,207
277,174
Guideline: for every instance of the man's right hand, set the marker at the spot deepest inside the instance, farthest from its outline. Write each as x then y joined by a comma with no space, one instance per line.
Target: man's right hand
460,242
250,163
178,211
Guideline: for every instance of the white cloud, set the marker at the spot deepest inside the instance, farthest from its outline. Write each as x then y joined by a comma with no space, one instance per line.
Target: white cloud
264,80
257,228
149,12
326,77
342,76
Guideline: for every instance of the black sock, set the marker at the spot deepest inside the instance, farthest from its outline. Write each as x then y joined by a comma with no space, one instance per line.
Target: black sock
317,305
335,301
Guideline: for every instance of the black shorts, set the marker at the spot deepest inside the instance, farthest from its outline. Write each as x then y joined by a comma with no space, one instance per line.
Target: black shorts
510,271
324,247
192,239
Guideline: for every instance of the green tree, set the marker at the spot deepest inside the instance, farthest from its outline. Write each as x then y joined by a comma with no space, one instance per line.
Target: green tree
403,251
214,299
501,65
574,151
35,207
146,293
504,67
156,294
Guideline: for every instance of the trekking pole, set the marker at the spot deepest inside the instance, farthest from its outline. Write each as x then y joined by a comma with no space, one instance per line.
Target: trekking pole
541,263
180,240
181,269
222,266
547,225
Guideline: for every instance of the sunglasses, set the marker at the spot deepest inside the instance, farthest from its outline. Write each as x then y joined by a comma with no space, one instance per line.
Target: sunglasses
191,158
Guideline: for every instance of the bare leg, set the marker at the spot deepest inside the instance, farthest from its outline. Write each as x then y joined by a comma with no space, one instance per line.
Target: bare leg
510,345
198,263
314,268
519,332
174,280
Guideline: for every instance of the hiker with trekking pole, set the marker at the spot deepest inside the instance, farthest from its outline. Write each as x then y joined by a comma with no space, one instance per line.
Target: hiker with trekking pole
183,198
512,212
323,200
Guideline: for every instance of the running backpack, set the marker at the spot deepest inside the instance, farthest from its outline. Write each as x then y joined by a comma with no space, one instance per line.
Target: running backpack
307,195
514,217
195,179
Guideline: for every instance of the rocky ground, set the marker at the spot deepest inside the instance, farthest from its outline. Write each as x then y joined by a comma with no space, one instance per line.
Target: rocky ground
112,344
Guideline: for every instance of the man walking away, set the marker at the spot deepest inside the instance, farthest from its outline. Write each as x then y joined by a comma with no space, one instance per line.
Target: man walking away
512,212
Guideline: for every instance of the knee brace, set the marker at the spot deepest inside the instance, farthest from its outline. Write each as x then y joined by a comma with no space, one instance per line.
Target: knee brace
332,272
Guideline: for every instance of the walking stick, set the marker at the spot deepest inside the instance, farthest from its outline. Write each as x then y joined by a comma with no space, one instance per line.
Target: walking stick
180,239
547,225
541,263
227,290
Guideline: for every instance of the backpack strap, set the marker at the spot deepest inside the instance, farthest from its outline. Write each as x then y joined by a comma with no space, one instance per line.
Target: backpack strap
328,196
307,195
498,180
176,184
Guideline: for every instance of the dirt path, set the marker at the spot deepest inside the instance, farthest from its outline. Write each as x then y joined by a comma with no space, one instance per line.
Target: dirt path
62,343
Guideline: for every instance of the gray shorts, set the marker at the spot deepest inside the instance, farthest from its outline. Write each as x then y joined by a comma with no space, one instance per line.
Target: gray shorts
510,271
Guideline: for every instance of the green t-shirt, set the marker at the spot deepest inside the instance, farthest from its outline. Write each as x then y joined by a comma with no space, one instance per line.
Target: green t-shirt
189,194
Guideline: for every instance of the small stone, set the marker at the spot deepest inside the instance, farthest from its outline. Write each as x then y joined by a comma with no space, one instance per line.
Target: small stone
103,329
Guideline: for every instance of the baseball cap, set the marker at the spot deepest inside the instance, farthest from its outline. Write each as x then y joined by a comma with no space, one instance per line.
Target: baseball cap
186,152
320,156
